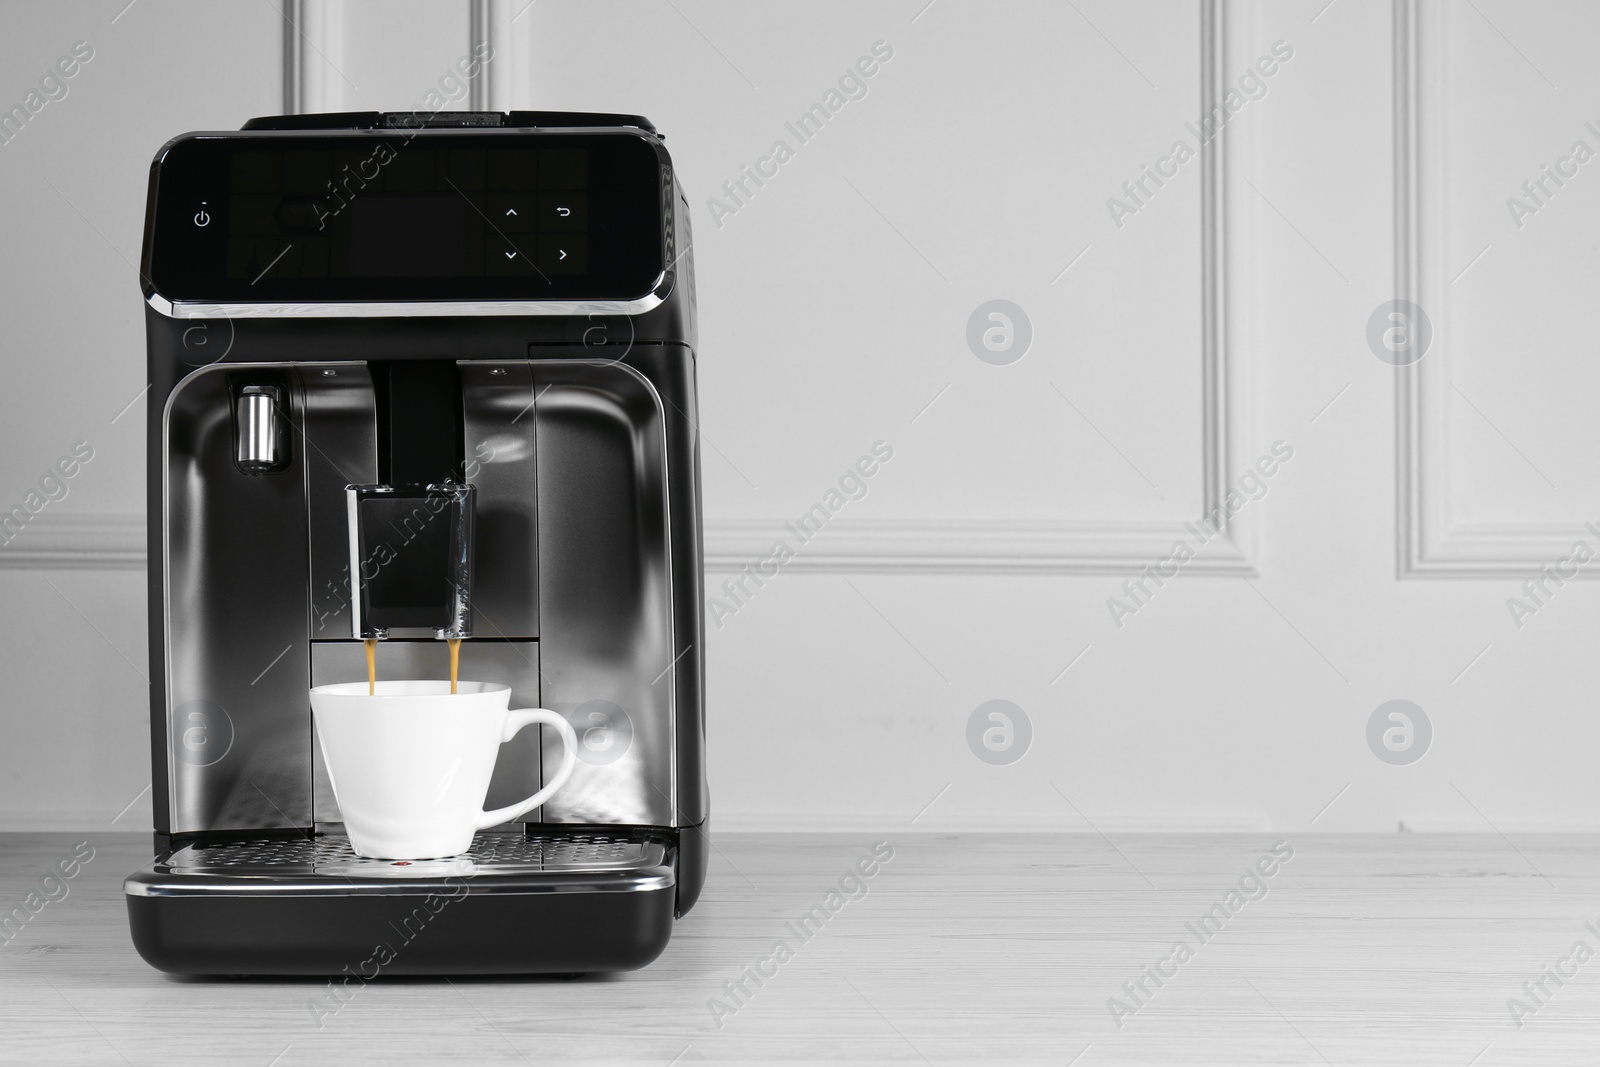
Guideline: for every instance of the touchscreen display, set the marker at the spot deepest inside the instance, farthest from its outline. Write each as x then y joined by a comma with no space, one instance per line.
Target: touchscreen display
393,216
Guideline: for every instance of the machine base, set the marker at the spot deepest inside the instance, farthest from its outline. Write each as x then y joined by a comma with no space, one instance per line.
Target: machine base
548,903
366,937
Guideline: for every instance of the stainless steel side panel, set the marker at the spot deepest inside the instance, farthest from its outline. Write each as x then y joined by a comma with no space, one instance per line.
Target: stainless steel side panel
341,448
513,663
237,618
605,590
498,427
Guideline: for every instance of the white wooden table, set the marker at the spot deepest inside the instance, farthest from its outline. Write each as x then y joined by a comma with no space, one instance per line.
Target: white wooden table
1397,949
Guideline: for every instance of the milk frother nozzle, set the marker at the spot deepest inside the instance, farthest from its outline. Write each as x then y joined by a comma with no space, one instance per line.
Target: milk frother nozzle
262,442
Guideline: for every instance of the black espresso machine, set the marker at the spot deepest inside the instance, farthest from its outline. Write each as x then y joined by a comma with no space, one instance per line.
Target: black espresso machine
497,309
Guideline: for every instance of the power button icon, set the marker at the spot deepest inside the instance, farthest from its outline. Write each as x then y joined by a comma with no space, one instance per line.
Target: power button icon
202,217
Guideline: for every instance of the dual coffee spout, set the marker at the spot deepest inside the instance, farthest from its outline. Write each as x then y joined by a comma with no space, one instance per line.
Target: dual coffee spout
411,535
411,560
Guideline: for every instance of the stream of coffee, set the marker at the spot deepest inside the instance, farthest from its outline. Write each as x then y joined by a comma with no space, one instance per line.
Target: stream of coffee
372,663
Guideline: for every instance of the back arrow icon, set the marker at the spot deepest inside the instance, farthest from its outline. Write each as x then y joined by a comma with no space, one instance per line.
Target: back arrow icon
563,211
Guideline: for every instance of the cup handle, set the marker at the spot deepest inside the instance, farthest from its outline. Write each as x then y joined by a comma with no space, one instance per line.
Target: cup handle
515,721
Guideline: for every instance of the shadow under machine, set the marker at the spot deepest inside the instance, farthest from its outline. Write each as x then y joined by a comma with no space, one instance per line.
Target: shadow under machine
387,354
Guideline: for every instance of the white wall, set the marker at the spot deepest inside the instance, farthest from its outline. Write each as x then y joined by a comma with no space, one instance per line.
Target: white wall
1222,317
74,713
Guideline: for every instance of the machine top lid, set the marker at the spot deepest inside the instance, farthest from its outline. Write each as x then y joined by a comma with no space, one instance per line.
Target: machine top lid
379,120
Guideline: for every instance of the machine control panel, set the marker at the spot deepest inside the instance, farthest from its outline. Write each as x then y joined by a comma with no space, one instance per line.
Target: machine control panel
394,215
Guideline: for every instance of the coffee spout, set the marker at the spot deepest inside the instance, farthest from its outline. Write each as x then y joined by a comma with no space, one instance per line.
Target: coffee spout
411,549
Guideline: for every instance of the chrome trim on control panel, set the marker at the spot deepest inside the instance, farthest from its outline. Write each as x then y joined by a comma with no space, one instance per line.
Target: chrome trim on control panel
395,309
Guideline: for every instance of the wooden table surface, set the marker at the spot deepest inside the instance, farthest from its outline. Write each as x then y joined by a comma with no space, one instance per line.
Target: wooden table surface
1394,949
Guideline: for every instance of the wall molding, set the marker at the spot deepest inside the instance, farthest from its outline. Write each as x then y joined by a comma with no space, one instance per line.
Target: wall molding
509,69
1020,546
313,31
77,542
1004,546
293,64
1430,541
845,546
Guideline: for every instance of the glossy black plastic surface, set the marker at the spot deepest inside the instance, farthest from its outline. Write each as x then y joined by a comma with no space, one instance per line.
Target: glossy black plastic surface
694,856
366,936
497,214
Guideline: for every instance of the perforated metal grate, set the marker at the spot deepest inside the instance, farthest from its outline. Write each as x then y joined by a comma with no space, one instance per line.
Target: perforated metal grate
564,851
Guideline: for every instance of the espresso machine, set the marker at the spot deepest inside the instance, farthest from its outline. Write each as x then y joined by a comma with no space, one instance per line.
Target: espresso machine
420,377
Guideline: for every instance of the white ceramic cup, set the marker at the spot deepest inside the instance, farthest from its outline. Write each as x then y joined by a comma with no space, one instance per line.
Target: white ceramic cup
410,765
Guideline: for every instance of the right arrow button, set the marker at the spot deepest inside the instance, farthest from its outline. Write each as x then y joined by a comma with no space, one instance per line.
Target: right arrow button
563,253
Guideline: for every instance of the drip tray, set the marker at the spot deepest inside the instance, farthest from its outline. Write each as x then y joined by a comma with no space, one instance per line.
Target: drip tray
325,865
